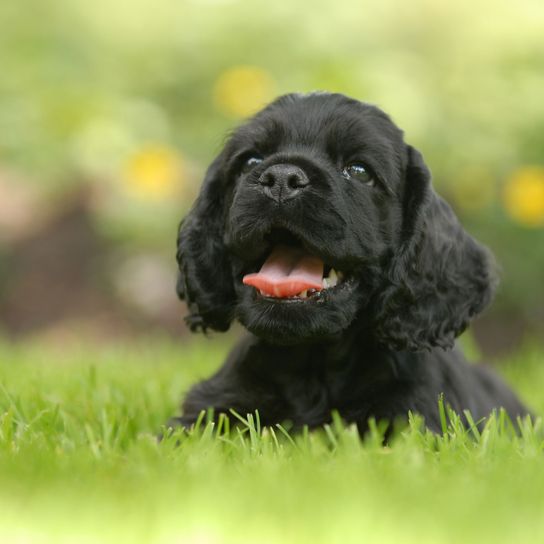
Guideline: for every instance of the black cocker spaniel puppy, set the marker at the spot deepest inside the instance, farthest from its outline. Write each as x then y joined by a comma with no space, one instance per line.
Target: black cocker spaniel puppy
318,229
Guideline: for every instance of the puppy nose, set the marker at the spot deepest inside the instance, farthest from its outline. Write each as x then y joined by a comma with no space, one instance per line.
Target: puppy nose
282,182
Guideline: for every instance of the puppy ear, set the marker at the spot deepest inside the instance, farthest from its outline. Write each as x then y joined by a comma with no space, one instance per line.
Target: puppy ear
439,278
205,277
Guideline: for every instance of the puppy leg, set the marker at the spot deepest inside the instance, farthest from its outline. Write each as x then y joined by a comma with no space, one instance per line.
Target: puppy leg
230,388
202,397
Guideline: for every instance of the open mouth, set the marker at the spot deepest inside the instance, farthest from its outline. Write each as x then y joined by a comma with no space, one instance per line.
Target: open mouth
291,273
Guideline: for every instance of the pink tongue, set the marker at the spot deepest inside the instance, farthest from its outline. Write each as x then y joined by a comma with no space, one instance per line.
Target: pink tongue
287,272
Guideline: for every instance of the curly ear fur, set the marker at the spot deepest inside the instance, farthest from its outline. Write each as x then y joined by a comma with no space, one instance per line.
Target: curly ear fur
439,279
205,278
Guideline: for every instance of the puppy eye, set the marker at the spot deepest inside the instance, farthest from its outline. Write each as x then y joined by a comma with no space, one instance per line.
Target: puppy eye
359,172
250,163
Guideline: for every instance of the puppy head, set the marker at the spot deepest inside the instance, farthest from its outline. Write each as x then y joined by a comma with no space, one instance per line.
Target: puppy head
316,217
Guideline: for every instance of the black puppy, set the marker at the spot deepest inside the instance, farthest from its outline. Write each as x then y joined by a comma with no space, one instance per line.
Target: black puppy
318,229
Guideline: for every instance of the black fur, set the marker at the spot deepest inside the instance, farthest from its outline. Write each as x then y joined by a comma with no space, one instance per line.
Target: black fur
382,343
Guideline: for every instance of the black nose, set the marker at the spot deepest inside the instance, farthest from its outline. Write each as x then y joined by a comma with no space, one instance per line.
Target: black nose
282,182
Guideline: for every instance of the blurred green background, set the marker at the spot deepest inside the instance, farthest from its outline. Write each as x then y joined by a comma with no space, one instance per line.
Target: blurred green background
111,110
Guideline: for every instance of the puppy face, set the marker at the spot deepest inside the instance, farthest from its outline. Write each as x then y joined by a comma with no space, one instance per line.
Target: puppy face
317,217
312,177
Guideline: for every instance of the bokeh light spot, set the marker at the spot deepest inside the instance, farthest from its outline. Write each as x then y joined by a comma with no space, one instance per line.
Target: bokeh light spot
523,196
153,172
242,90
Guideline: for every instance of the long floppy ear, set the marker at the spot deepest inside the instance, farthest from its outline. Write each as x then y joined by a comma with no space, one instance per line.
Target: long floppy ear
205,277
439,279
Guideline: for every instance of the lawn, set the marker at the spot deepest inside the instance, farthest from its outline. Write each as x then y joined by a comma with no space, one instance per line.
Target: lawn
79,462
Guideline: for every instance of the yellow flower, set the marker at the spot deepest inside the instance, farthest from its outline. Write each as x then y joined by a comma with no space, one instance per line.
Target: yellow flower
241,90
523,196
153,172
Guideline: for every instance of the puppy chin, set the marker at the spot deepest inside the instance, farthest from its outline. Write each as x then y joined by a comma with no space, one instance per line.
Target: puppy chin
291,323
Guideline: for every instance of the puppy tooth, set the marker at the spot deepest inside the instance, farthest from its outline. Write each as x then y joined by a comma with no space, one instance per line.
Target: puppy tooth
325,283
304,294
333,278
262,293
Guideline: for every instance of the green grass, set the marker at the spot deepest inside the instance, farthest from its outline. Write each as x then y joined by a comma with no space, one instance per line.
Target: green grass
79,463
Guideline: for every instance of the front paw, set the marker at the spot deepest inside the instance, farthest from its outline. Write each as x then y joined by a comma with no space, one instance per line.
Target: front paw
174,425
